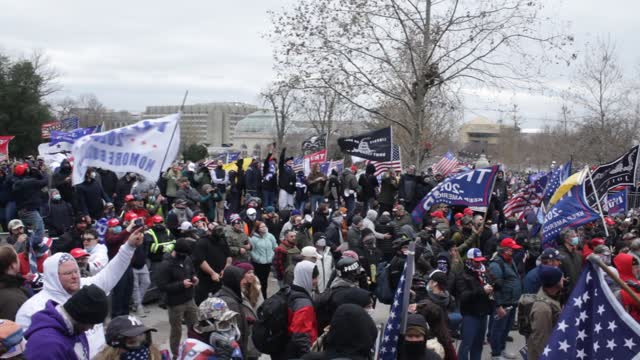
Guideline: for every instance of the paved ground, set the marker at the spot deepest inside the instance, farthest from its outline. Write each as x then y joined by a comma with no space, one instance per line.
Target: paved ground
158,319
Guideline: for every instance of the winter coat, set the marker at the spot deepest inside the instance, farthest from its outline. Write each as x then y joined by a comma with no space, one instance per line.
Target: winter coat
623,263
302,319
69,240
58,181
317,182
251,314
283,258
325,269
60,217
53,290
12,295
319,222
263,248
232,295
385,227
399,222
506,281
543,318
286,175
252,178
407,188
334,239
236,241
170,276
470,290
269,179
354,238
50,337
571,267
123,188
190,195
349,183
333,188
27,191
388,190
113,241
90,198
532,282
368,183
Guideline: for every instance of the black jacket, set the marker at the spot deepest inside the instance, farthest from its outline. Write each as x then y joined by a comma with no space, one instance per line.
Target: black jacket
473,300
333,235
123,188
12,296
252,178
232,295
109,181
269,181
90,196
170,278
69,240
58,181
26,191
60,217
286,176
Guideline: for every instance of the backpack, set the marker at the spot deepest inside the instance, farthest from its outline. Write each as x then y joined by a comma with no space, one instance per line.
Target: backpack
271,330
383,290
323,309
525,304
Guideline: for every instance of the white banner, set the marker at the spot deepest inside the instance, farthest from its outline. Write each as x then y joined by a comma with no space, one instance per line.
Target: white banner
146,148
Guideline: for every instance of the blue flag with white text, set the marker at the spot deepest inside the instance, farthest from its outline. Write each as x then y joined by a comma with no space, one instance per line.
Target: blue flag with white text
472,188
616,203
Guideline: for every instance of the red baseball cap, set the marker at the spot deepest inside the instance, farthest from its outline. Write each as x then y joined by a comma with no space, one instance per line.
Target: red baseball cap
437,214
510,243
78,253
467,211
129,198
609,221
458,216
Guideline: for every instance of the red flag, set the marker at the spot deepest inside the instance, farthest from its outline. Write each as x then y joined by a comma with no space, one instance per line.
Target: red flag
4,147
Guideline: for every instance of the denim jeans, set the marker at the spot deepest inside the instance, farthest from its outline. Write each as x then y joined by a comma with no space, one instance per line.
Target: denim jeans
31,218
455,319
268,197
500,330
315,201
473,330
351,206
121,294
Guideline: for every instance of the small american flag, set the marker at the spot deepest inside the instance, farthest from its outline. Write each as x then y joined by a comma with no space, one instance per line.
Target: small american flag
447,165
395,163
593,324
69,124
298,164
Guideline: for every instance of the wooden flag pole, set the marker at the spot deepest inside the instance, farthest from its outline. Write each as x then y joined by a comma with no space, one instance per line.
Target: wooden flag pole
595,259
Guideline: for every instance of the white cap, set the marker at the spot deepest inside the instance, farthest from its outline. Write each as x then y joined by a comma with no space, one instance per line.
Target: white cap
310,251
185,226
251,211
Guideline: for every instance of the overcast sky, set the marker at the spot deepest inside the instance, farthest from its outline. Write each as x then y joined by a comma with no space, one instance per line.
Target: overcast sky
131,54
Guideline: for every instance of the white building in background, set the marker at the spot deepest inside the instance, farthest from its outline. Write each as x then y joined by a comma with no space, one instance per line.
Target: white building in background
212,124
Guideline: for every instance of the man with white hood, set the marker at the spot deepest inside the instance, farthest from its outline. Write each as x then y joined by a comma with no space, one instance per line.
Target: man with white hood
98,257
62,280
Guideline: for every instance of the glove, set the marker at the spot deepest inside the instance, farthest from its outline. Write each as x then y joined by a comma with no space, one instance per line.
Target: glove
302,342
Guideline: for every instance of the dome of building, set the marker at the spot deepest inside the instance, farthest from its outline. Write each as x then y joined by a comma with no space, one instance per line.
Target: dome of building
262,121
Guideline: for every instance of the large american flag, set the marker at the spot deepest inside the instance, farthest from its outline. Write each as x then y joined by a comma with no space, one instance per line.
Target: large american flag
396,322
69,124
593,324
557,177
447,165
395,163
529,196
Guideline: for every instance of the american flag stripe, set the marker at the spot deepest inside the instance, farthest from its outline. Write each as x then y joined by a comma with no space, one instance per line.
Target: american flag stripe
527,197
448,164
395,163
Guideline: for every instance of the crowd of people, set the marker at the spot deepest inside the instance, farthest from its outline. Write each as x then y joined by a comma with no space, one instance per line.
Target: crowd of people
205,242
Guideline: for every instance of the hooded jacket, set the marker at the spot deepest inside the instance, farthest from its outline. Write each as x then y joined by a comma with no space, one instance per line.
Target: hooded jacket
170,276
232,295
325,269
90,195
12,295
624,264
470,290
53,290
58,181
51,336
352,335
26,191
369,223
302,315
98,258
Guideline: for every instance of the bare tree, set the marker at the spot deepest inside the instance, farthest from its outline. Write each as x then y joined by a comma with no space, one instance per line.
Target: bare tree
601,91
281,96
396,54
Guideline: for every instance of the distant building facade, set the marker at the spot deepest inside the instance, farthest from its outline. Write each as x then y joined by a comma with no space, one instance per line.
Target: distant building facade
111,119
212,124
483,135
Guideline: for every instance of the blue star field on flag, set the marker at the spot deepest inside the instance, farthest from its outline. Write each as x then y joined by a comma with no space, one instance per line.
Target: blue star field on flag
593,324
391,334
557,177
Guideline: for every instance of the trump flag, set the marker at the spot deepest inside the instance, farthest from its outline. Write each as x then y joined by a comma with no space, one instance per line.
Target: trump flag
146,148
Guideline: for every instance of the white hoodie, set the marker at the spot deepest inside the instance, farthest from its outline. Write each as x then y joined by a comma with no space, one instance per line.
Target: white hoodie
98,258
53,290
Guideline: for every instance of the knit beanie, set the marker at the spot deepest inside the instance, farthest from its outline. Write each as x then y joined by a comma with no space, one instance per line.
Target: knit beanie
88,306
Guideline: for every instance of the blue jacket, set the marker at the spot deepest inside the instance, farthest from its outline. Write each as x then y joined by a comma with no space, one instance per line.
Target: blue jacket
506,281
48,337
532,281
263,248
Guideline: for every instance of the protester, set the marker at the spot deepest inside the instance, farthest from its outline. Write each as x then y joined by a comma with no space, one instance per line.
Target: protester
12,292
177,278
238,240
325,263
263,246
233,280
210,256
59,331
60,215
545,310
286,255
571,265
62,280
129,339
414,345
629,268
549,257
98,257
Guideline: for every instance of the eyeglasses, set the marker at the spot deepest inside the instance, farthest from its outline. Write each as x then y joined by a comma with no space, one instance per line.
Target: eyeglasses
89,239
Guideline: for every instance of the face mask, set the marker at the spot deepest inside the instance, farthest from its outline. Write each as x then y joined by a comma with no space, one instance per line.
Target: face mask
415,348
252,216
152,199
93,175
57,197
89,248
370,311
507,256
142,353
575,241
116,229
442,266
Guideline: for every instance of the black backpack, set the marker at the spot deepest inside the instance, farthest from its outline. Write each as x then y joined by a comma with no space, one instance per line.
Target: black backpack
270,331
323,309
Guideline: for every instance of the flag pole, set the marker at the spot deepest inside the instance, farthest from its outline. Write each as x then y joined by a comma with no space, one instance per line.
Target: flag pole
595,193
407,285
173,133
595,259
486,213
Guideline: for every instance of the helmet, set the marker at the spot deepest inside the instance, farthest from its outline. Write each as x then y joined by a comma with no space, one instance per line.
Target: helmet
157,219
347,266
129,198
113,222
20,169
197,218
130,216
216,314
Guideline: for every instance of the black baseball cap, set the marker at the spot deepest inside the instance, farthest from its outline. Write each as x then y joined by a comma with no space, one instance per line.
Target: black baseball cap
124,326
551,254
